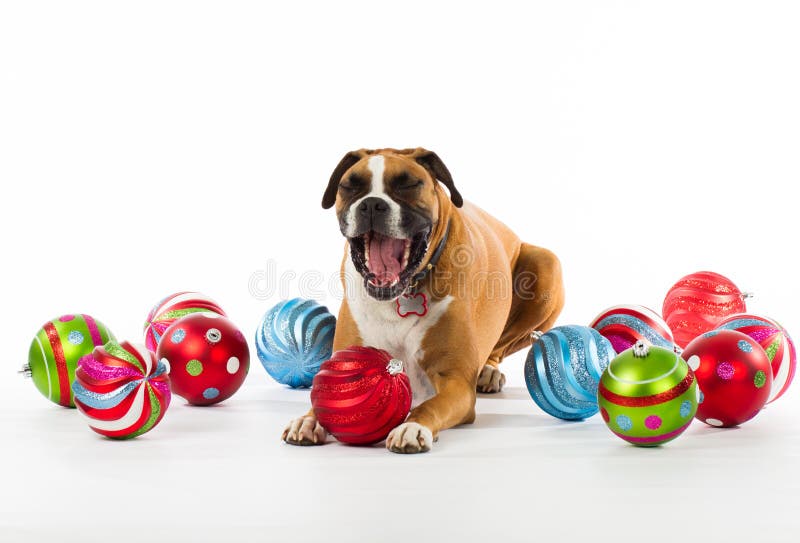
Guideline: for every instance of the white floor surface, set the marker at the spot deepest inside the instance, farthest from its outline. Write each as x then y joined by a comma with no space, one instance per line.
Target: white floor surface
221,474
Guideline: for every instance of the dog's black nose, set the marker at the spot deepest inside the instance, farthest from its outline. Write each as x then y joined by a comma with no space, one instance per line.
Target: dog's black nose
373,206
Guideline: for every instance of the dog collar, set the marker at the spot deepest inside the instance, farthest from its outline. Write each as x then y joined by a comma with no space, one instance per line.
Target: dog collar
437,254
411,302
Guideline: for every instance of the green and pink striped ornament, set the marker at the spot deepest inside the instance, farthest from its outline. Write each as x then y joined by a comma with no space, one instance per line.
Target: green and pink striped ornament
55,351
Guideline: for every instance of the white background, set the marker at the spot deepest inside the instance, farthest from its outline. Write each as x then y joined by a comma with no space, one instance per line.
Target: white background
151,147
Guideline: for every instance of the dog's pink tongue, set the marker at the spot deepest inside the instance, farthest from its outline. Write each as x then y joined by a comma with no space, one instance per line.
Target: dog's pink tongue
384,259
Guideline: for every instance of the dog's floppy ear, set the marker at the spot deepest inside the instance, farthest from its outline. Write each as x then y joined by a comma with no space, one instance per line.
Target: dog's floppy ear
329,198
431,162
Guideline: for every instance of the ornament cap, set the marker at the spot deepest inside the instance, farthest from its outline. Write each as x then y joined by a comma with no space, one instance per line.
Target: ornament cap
536,335
394,366
747,295
26,371
213,335
641,349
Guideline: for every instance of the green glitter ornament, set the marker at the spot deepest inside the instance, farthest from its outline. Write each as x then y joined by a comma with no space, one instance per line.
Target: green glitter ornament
647,395
55,351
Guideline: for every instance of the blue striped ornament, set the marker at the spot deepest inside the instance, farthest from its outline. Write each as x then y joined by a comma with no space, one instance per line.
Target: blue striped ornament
294,338
563,369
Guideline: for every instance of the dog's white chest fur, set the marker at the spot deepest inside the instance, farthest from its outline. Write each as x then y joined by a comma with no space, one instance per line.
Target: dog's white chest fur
380,326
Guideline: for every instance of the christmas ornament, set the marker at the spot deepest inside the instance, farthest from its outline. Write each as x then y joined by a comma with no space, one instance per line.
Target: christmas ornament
698,302
172,308
55,351
563,368
294,338
360,395
121,389
775,341
647,395
734,376
208,358
624,325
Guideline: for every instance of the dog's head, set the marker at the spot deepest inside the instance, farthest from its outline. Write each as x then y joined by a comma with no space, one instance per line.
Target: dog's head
388,202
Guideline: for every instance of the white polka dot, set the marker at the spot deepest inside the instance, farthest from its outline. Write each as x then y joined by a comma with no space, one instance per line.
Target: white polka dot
694,362
233,365
166,363
714,422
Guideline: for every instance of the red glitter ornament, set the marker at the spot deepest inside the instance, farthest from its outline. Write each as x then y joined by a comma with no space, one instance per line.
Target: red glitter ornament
698,302
208,357
360,395
733,374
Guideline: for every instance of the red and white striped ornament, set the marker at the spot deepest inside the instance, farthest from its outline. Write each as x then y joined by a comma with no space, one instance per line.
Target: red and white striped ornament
172,308
624,325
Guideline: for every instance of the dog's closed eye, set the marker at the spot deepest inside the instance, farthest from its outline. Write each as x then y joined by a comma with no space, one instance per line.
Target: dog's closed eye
353,183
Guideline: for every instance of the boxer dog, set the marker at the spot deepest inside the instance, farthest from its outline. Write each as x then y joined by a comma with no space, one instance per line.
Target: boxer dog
435,281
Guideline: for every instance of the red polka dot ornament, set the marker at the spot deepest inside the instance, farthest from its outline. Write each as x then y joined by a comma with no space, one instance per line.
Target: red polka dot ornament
734,376
208,358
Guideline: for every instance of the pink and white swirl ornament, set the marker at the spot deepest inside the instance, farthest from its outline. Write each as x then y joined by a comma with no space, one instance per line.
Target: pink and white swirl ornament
121,389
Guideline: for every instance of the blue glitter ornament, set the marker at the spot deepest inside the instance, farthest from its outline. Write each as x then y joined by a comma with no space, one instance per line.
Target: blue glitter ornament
295,337
563,369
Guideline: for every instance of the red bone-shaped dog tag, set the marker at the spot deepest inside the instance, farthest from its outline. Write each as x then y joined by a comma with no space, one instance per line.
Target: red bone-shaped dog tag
412,304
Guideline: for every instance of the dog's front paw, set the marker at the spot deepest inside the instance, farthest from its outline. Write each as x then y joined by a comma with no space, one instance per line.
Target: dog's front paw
491,379
304,431
409,438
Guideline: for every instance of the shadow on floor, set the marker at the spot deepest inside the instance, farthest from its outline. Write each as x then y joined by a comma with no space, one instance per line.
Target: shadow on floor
508,393
499,420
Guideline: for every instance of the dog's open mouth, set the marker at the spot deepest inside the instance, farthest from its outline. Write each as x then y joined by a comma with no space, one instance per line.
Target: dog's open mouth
387,263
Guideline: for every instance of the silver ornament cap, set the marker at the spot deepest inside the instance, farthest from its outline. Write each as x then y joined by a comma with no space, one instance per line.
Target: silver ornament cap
213,335
394,366
641,349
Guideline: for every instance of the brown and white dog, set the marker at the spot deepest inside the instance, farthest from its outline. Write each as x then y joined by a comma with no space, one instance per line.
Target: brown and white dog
477,290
